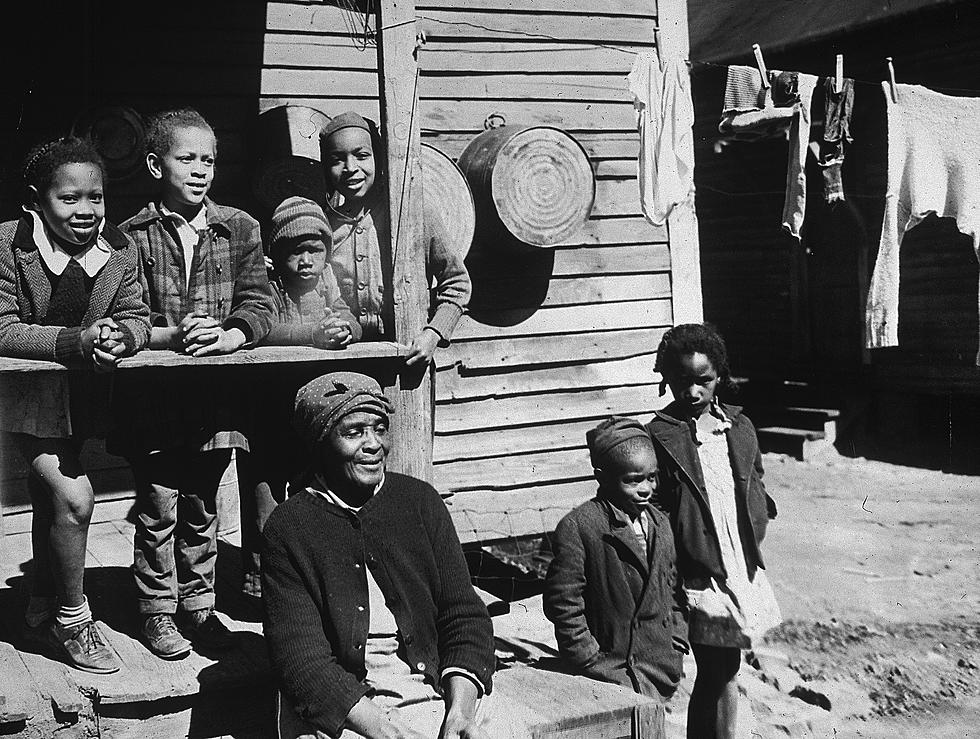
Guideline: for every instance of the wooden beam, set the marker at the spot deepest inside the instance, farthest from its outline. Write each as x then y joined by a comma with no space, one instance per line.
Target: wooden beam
682,223
398,88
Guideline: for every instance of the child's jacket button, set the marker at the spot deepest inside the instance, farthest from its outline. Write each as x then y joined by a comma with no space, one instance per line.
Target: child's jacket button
420,665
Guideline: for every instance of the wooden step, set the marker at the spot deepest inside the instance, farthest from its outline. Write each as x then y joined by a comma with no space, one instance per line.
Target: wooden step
803,444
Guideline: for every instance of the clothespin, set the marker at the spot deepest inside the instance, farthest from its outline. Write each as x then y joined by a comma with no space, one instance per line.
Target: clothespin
761,64
891,79
839,74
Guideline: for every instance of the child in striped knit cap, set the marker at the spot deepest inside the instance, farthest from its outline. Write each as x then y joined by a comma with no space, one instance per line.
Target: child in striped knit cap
310,308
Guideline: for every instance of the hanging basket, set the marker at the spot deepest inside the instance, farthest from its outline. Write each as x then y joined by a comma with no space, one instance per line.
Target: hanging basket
287,144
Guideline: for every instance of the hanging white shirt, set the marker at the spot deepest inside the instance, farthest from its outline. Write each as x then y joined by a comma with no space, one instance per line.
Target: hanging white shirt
665,118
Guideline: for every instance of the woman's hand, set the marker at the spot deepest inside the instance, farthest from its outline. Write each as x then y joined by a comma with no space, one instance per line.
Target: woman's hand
368,720
423,347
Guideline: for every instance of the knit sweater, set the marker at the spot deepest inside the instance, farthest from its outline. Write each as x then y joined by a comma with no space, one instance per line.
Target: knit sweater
358,245
315,595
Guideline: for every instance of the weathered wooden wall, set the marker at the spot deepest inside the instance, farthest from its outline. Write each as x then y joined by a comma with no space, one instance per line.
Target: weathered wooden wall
558,338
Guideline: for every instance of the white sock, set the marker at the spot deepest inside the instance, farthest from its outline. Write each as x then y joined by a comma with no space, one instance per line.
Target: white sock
39,609
69,616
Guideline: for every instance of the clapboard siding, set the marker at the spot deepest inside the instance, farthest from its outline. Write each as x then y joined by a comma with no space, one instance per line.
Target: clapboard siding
553,343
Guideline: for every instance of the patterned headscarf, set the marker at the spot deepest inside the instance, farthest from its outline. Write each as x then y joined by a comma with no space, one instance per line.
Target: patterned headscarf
321,403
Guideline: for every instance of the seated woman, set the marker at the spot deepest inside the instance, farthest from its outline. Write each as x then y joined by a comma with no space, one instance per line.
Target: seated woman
373,627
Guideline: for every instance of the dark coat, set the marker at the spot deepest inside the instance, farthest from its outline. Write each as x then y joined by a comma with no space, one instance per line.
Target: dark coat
25,296
683,497
315,594
617,613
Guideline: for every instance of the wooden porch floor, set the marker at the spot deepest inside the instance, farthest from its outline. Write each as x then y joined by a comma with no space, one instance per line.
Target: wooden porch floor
232,694
42,693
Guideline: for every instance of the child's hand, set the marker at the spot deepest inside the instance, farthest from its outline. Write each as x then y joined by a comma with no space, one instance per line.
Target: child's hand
218,341
332,333
195,330
423,347
102,342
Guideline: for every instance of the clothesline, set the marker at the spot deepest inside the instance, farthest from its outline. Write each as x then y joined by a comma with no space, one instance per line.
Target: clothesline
608,47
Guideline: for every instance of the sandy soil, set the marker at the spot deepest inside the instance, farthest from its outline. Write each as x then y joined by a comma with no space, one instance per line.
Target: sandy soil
878,576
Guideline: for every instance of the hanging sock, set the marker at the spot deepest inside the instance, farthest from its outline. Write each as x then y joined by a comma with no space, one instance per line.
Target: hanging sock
836,132
750,111
794,207
665,119
933,168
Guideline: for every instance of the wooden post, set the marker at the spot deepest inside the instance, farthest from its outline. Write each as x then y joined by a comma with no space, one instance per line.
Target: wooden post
398,88
682,225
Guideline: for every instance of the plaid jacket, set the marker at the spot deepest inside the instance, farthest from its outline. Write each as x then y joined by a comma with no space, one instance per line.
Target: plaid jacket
228,275
195,410
25,295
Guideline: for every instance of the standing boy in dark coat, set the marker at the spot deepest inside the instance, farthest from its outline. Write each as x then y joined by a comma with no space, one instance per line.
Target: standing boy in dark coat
612,590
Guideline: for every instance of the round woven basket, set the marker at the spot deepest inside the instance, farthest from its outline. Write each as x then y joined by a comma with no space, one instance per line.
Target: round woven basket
287,139
118,135
536,180
447,194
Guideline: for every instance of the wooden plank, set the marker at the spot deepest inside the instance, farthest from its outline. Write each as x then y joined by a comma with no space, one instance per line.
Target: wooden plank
243,357
500,442
55,683
517,352
640,8
628,230
519,292
487,515
617,198
412,419
535,86
572,116
607,30
547,408
513,471
451,385
564,320
583,261
19,697
462,56
598,144
322,52
365,106
334,83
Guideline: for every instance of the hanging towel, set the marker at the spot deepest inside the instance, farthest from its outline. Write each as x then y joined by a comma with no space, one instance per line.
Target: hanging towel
794,207
836,132
665,118
933,168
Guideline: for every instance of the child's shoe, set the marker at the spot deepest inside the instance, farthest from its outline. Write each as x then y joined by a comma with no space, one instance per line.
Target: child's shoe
206,630
161,636
84,646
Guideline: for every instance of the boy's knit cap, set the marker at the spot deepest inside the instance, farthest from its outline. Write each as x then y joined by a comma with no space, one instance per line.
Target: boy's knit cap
611,433
350,119
295,218
321,403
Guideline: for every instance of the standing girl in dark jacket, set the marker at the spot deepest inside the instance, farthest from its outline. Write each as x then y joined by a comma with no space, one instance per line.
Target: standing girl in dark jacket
69,293
712,490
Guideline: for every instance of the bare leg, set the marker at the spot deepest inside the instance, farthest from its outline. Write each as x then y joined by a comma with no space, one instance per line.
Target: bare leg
59,534
712,711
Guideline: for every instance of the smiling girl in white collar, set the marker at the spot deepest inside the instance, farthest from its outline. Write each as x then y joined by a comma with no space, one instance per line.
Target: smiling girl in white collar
69,293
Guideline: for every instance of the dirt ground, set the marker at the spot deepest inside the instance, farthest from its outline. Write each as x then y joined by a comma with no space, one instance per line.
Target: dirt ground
878,577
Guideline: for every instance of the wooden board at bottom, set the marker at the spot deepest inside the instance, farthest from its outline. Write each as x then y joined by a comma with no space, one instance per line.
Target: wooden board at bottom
560,706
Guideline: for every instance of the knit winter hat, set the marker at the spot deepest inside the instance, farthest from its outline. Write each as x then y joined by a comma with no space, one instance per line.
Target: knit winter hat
350,119
295,218
321,403
610,434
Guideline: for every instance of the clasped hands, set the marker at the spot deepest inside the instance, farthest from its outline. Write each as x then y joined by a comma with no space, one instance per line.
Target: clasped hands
104,343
